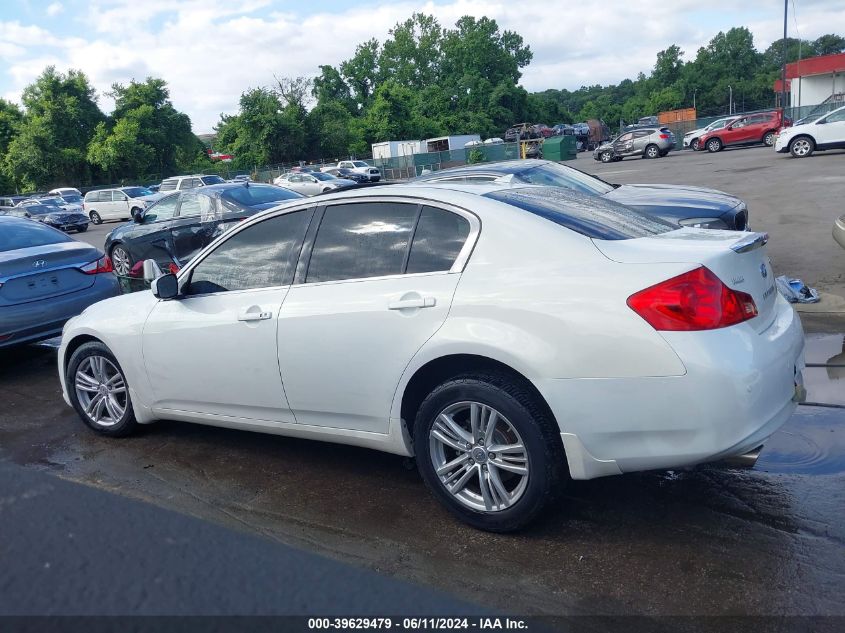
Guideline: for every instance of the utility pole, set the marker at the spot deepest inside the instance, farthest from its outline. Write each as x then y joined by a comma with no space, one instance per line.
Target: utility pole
730,100
783,66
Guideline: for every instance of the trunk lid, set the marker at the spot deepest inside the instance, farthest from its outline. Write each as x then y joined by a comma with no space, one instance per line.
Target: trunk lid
739,259
40,272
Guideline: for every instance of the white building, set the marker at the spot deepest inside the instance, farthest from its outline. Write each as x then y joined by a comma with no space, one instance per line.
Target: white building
395,149
815,80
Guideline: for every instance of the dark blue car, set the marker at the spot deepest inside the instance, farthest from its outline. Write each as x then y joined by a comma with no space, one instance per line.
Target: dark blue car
182,223
46,278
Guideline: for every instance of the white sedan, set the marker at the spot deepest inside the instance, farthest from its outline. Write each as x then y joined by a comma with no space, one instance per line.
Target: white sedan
509,338
311,183
821,133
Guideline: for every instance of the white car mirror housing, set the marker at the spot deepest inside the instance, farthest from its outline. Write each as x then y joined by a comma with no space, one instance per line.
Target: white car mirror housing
152,271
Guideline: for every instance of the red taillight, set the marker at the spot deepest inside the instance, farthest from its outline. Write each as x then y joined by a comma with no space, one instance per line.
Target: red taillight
174,269
664,136
696,300
102,265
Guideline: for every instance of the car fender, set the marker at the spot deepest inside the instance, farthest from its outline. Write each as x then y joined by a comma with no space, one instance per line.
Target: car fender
118,323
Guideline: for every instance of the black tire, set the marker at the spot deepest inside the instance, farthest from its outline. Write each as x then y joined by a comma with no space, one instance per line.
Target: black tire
95,217
119,267
616,159
539,433
695,144
802,146
126,423
606,157
651,151
82,229
664,153
714,145
769,138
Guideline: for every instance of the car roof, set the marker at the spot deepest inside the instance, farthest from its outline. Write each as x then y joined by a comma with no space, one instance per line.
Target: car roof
501,168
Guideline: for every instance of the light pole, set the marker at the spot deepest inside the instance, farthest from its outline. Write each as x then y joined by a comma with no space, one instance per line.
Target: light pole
730,100
783,65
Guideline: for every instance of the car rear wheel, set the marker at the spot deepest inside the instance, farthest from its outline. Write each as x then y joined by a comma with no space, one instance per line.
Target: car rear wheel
606,157
82,229
801,146
95,217
769,139
121,260
714,145
98,390
651,151
695,144
488,451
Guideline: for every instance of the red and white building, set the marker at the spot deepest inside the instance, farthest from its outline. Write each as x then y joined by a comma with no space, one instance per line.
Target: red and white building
815,80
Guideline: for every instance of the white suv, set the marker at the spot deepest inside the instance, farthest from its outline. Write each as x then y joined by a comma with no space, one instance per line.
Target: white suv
359,167
179,183
824,132
117,204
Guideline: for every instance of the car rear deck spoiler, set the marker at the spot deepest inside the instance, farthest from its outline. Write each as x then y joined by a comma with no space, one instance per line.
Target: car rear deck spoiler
749,243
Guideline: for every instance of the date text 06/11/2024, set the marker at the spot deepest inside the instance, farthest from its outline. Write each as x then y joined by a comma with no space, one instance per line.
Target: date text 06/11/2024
418,624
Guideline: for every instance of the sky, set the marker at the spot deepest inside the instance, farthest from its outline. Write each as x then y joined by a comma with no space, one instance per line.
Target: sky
210,51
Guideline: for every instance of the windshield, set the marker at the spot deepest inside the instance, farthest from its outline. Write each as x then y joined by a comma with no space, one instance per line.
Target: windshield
137,192
72,198
588,215
212,180
322,176
360,163
47,202
717,125
258,194
562,176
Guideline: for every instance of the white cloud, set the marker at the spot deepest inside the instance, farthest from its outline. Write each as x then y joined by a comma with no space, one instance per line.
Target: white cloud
210,51
55,8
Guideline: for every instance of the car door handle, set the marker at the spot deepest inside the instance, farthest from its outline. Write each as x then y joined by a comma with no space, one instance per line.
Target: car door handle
420,302
254,314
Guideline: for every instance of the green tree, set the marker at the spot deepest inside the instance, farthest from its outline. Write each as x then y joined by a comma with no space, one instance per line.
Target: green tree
829,44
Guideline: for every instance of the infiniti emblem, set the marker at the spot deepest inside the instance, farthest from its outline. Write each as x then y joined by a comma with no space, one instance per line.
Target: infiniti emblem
763,271
39,263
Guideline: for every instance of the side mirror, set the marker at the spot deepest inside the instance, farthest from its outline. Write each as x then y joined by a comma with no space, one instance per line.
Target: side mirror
151,270
137,216
165,287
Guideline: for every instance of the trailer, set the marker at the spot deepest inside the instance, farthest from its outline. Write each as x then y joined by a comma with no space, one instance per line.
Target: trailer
448,143
395,149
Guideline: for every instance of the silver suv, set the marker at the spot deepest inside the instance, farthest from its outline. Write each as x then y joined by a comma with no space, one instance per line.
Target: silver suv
179,183
648,142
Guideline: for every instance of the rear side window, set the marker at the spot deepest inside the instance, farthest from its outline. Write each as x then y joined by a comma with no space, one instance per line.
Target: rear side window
365,239
261,256
592,216
439,237
168,185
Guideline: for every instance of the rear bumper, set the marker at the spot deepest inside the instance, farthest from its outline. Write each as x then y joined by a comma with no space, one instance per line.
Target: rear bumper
38,320
738,390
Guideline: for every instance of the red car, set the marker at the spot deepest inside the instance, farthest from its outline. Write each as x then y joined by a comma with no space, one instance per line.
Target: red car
748,129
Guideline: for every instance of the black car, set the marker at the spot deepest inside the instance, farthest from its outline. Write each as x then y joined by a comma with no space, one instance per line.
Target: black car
180,224
348,174
50,212
678,204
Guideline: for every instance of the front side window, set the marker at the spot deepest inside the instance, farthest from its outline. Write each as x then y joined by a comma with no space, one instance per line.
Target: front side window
164,209
360,240
438,240
260,256
118,196
836,117
190,205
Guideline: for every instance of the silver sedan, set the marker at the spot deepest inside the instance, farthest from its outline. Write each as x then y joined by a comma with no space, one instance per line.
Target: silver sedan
311,183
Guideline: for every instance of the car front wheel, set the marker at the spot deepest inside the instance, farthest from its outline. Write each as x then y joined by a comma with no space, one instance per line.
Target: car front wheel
121,260
606,157
714,145
802,146
488,451
98,390
694,145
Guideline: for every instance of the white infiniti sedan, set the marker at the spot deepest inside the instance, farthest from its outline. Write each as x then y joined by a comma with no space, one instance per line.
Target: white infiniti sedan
509,338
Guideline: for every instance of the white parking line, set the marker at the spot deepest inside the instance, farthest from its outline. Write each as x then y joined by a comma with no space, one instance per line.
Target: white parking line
618,171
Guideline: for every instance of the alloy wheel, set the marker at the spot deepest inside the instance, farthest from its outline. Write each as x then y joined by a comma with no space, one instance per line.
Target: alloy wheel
801,147
605,157
120,261
101,390
479,456
695,145
769,139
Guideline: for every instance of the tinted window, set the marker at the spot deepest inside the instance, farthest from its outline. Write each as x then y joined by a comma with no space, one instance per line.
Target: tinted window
212,180
164,209
168,185
562,176
26,234
642,133
439,237
836,117
592,216
261,256
137,192
361,240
